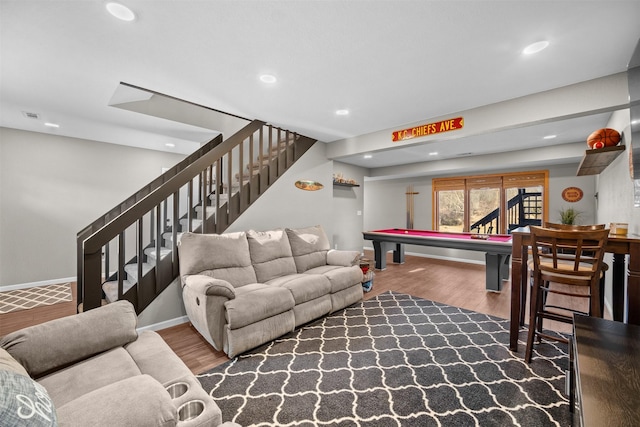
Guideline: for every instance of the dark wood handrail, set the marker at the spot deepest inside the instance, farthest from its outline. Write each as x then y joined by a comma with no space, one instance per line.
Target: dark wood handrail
130,201
146,202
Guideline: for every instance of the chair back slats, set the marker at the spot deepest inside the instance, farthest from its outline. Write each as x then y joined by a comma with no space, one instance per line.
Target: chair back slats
574,255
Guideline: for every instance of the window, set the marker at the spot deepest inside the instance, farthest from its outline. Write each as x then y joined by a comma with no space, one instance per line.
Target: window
491,204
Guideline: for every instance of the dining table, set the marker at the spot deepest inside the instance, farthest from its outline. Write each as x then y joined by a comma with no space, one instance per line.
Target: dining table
625,299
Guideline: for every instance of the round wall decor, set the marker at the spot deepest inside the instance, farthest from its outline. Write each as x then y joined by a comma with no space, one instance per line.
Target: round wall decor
572,194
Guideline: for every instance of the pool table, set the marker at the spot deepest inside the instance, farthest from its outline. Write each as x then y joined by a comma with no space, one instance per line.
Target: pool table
497,248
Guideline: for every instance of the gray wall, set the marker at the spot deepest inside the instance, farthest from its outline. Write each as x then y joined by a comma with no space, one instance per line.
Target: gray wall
53,186
615,191
348,207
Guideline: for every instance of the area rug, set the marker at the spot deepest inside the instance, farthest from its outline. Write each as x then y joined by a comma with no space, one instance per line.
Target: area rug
22,299
394,360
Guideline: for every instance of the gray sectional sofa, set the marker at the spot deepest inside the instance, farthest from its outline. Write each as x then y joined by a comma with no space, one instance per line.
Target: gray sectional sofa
244,289
94,369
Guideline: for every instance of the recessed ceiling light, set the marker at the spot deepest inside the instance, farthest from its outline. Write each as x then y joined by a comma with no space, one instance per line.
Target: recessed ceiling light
368,156
433,153
168,144
342,112
268,78
535,47
549,137
120,11
52,125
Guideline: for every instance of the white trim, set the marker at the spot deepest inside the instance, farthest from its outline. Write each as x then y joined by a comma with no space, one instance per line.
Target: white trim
34,284
441,257
164,324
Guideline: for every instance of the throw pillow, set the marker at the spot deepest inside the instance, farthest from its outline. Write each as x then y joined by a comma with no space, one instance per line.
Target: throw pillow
24,402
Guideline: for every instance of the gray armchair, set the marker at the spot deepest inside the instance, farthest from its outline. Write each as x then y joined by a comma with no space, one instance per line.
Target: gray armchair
94,369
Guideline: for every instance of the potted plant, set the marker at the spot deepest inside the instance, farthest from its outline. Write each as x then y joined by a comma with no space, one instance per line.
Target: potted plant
569,216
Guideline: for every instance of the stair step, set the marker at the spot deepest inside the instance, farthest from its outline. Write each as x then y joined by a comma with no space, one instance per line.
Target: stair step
195,223
258,165
110,289
211,210
223,198
245,175
151,254
132,271
168,238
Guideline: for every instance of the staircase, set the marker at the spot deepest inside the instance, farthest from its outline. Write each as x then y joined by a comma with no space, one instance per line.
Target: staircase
131,251
522,209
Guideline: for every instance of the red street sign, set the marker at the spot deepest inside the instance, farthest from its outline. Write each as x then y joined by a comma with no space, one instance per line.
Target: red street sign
428,129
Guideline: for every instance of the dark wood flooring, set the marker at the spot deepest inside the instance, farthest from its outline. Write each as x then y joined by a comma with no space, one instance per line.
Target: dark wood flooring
448,282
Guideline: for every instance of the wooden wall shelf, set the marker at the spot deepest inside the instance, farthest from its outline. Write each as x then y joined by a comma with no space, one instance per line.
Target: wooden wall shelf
344,184
595,161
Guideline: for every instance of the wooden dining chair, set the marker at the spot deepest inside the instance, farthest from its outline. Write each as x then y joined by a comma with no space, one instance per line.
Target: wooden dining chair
572,258
569,227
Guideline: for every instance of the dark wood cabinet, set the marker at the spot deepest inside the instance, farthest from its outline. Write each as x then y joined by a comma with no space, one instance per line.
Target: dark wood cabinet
606,363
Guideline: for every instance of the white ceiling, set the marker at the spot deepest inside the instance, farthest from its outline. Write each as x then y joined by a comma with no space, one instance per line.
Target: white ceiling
388,62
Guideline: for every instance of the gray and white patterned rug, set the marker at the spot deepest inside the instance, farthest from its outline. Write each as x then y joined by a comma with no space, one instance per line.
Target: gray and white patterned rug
23,299
394,360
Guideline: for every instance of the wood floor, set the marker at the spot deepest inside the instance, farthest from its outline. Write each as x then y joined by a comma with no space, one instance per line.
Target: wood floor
448,282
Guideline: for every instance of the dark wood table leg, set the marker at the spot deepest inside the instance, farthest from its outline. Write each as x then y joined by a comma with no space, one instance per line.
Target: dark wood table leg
633,285
617,283
516,288
525,284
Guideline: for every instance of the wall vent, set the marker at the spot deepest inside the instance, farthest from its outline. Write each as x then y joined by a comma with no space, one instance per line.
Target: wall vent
29,115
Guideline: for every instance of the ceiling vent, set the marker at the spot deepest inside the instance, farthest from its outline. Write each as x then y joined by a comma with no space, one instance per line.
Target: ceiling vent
29,115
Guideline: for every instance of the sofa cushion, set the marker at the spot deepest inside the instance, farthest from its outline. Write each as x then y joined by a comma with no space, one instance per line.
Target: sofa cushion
134,401
72,338
256,302
8,363
24,402
309,247
77,380
339,277
221,256
343,258
270,254
154,357
303,287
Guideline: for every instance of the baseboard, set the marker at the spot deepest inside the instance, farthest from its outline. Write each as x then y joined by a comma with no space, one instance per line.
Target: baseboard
164,324
34,284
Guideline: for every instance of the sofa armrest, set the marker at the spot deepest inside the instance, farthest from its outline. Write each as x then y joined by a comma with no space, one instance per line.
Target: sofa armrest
207,285
134,401
342,258
52,345
204,300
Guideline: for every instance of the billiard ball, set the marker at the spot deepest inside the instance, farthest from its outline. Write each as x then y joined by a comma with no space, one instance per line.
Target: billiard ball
406,232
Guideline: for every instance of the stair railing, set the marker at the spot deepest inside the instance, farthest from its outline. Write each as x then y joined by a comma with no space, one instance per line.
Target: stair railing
520,212
168,205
